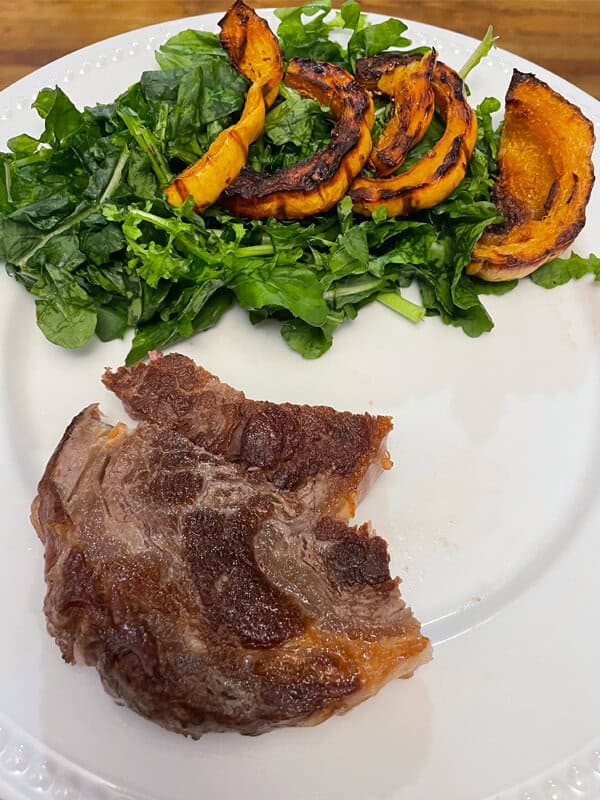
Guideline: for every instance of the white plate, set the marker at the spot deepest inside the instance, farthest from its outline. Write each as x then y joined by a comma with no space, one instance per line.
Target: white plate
491,512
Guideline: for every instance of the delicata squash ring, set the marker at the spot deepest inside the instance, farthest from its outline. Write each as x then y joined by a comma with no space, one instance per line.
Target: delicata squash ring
545,179
254,50
440,171
408,83
222,162
316,184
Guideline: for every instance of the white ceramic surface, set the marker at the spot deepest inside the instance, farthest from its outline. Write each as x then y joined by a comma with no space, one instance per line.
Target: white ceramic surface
491,513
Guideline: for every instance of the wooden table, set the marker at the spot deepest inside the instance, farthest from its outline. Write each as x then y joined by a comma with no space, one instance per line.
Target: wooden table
559,35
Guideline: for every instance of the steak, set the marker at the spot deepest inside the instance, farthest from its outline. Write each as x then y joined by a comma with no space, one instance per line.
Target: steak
328,457
206,597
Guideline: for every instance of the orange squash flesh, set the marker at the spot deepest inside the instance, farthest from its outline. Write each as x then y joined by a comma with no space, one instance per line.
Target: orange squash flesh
316,184
254,50
221,164
440,171
545,179
407,80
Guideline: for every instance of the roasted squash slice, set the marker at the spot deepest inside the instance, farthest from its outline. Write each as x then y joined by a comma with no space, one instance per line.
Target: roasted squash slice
254,50
545,179
316,184
206,178
407,80
440,171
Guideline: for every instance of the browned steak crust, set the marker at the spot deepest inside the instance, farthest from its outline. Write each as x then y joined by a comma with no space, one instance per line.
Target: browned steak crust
206,598
329,457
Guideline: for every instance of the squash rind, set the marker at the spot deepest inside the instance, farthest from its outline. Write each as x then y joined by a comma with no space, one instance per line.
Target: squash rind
254,51
440,171
206,178
316,184
546,175
406,79
253,48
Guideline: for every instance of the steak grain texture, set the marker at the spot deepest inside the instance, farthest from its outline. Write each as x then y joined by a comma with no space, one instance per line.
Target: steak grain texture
207,598
328,457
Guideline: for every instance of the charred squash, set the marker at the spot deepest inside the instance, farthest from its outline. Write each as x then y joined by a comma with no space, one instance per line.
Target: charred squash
316,184
406,79
254,50
440,171
206,178
545,180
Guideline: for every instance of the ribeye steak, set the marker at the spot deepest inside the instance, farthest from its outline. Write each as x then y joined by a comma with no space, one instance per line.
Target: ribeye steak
328,457
207,597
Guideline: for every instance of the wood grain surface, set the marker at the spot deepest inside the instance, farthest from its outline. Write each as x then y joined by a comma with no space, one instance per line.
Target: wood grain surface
561,36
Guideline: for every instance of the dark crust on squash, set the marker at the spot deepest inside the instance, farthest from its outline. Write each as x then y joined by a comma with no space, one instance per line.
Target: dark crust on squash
409,103
508,265
234,38
349,102
376,191
236,45
369,70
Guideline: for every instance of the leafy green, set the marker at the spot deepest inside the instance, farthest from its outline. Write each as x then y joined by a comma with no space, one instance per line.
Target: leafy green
310,342
162,333
481,51
305,31
562,270
189,48
372,39
86,229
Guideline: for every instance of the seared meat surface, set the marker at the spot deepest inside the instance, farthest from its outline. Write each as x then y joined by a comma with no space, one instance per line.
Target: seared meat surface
328,457
206,597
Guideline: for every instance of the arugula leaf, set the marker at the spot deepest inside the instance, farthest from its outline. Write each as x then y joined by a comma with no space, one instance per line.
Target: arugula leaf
487,136
292,288
375,38
296,121
308,39
350,16
312,39
305,339
496,287
146,140
562,270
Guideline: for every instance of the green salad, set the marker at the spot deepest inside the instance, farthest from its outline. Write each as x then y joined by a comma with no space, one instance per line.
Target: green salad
86,229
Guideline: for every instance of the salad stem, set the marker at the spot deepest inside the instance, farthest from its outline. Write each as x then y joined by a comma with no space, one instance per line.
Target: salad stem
480,52
401,305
